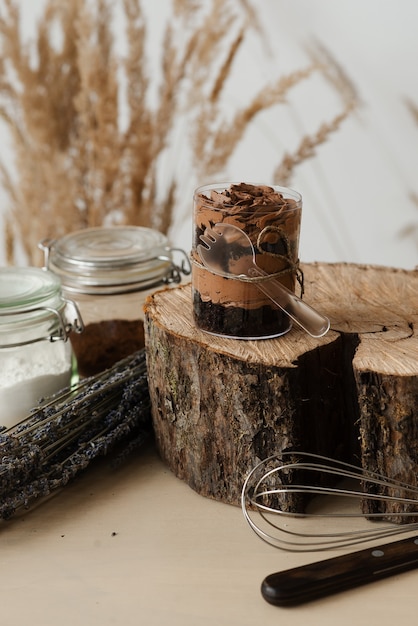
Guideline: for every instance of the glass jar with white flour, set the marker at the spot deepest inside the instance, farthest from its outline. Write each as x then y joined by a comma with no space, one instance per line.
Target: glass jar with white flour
35,356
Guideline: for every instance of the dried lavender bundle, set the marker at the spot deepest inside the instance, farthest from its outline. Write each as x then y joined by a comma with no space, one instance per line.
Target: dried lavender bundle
67,432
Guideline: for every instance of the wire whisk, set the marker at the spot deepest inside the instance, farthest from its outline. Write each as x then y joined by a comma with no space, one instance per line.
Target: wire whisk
303,502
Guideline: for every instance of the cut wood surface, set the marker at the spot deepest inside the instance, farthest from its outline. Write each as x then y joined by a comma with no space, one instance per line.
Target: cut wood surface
221,405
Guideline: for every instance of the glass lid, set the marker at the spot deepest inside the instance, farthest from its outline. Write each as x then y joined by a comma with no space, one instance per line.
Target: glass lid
101,257
23,288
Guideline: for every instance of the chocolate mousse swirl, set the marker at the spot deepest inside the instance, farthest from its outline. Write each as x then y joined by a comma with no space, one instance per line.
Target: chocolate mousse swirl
271,220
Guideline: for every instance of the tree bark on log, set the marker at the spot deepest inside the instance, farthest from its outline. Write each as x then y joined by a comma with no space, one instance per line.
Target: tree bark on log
221,405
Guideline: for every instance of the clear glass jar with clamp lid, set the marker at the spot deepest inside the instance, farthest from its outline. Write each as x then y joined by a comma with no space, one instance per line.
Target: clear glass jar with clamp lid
35,322
109,271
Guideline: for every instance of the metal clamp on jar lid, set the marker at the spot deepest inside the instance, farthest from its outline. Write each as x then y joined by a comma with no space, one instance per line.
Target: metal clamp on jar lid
119,259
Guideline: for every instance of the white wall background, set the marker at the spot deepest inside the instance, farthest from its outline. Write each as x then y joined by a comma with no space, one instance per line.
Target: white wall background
357,190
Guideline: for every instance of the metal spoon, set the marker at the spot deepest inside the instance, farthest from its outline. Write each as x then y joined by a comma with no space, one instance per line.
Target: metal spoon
228,251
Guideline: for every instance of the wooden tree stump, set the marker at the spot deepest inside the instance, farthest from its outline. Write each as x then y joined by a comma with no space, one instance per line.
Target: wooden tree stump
221,405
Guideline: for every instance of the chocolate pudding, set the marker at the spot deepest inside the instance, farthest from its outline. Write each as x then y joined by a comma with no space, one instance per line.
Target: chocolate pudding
270,216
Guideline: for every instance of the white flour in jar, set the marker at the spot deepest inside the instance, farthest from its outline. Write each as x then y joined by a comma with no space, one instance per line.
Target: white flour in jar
29,373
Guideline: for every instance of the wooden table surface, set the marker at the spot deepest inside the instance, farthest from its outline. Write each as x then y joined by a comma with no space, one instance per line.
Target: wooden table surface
136,545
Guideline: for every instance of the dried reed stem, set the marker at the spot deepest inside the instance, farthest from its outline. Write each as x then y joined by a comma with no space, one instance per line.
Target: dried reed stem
214,147
410,230
308,147
334,74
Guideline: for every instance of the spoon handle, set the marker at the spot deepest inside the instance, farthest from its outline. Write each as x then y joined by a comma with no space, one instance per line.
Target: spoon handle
313,322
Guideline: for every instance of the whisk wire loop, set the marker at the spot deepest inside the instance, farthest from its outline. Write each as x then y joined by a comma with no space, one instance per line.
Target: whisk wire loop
274,492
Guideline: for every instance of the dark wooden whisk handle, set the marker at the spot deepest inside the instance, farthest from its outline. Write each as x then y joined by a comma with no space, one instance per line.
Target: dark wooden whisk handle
322,578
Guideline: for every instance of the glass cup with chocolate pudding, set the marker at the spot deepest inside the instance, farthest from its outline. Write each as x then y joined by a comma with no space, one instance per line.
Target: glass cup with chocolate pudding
270,216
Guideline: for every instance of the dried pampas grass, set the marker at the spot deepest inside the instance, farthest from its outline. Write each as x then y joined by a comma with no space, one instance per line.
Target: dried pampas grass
76,163
410,230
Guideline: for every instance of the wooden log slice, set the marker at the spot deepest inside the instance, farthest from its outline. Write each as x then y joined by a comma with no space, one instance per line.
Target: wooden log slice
221,405
378,307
